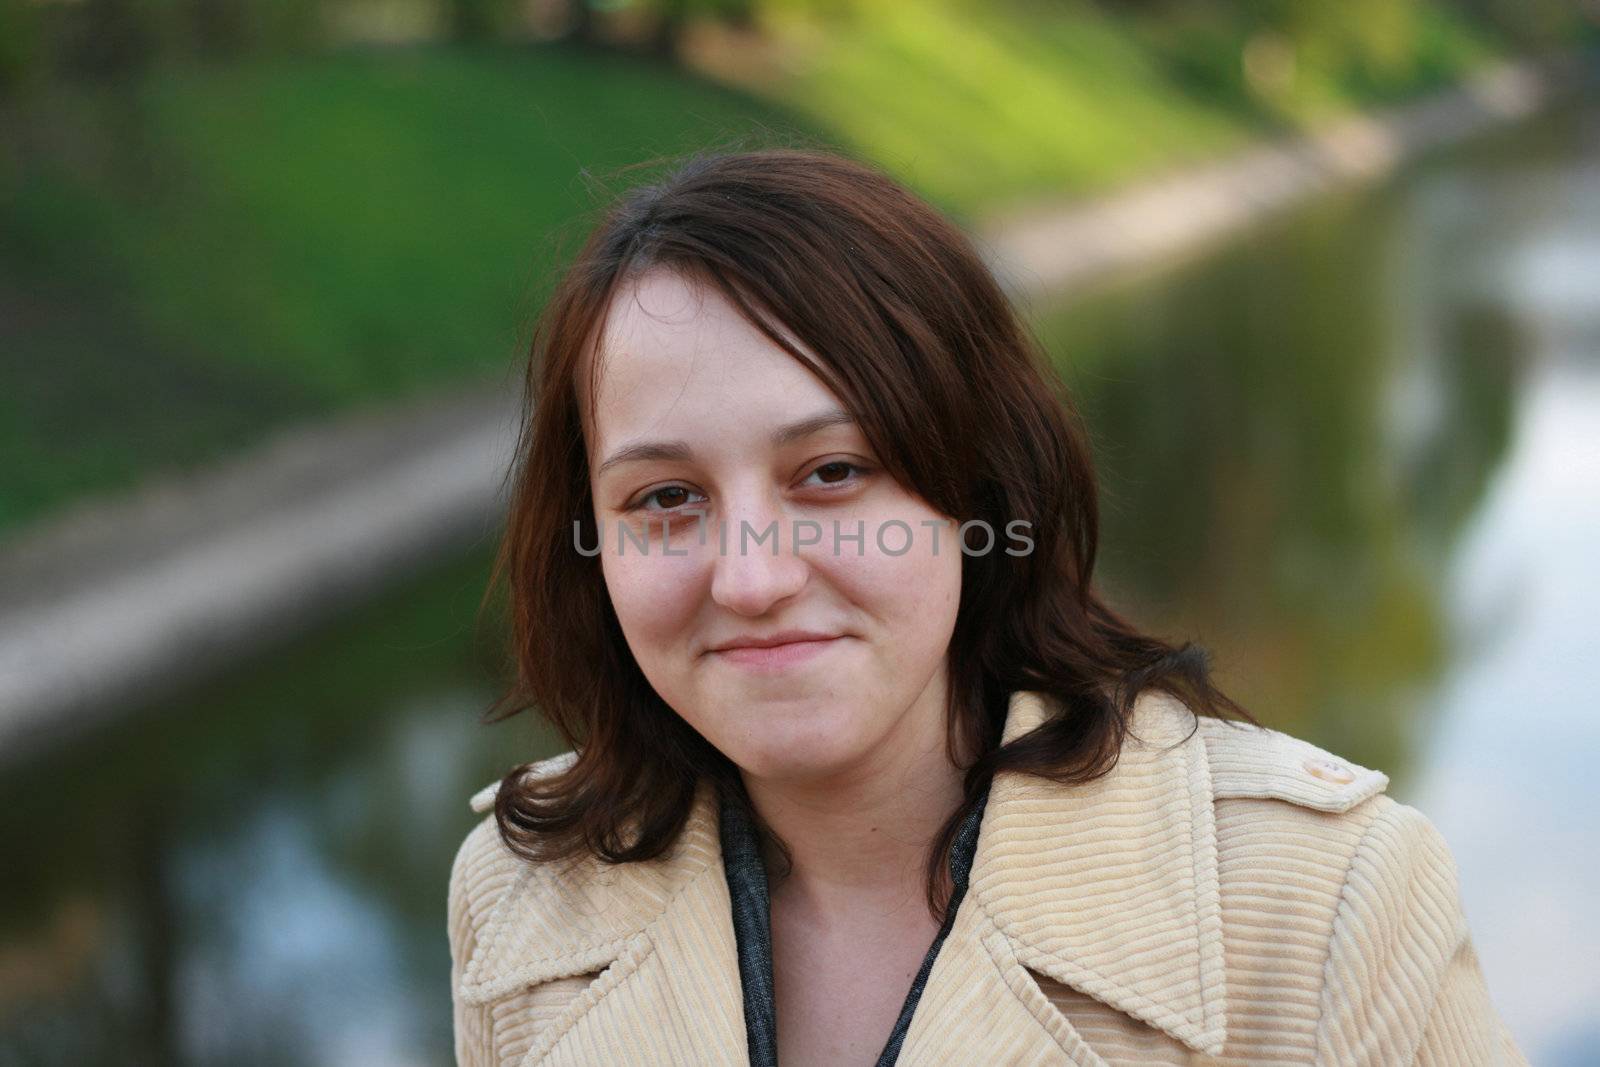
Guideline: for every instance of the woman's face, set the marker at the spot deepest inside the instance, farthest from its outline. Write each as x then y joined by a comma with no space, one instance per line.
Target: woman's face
688,456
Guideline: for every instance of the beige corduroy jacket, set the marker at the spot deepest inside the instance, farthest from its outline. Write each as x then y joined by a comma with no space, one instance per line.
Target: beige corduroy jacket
1236,897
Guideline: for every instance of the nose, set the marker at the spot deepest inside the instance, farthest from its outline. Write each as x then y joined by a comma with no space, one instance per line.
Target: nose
748,576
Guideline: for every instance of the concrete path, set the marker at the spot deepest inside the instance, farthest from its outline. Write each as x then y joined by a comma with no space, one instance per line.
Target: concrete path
122,602
1052,250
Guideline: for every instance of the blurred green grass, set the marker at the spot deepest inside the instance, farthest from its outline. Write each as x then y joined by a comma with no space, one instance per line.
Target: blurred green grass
192,260
219,251
982,106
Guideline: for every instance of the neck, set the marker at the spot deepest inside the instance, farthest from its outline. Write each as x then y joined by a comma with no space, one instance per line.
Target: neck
861,835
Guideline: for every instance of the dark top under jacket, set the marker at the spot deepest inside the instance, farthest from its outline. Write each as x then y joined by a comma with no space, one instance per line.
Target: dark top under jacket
747,885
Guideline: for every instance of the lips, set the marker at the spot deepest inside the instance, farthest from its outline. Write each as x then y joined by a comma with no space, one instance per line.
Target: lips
783,637
777,657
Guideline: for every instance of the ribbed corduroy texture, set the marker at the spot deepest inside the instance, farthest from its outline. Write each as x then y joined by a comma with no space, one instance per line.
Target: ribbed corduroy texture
1221,898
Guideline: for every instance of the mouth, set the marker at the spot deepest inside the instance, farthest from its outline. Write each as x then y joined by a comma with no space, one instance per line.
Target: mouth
778,657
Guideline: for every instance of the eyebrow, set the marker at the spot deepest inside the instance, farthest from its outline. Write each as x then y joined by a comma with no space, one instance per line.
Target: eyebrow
680,450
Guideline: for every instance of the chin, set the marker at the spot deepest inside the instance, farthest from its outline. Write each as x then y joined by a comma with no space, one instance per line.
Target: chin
814,749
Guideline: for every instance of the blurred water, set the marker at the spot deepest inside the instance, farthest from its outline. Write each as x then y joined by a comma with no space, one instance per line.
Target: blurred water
1508,771
257,876
1359,456
1354,454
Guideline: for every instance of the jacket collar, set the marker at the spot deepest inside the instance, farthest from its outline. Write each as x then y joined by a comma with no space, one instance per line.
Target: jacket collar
1108,886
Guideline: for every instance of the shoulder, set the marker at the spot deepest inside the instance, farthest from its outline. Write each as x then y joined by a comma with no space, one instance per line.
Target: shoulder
483,799
1349,802
1250,761
483,876
484,867
1344,885
1287,808
1299,827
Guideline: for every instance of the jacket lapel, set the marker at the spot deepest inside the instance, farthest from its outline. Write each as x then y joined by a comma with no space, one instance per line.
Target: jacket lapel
1109,887
672,997
661,932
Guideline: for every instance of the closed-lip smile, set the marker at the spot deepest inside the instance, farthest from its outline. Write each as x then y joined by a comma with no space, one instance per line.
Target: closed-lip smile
782,637
775,650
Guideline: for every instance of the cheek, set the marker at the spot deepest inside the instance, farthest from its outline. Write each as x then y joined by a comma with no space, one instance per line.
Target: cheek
653,599
915,594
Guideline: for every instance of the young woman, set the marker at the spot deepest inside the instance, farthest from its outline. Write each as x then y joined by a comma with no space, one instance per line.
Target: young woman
863,769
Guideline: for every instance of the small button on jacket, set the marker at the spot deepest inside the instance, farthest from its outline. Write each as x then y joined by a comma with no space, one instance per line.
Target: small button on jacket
1225,895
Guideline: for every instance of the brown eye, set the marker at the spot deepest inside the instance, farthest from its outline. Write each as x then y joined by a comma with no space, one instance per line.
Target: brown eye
663,498
839,472
840,469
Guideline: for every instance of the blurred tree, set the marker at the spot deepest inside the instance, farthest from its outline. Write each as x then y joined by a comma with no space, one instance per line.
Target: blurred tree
223,28
219,27
669,17
654,27
1536,23
481,20
115,38
21,50
1293,61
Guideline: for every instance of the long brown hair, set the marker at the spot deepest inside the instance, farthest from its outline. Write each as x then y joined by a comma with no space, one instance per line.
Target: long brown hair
913,334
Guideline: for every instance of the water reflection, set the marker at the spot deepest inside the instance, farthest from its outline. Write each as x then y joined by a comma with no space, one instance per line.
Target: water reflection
1354,454
257,877
1358,456
1254,501
1507,771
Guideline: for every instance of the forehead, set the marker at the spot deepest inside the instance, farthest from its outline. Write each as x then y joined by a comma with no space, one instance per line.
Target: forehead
678,357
